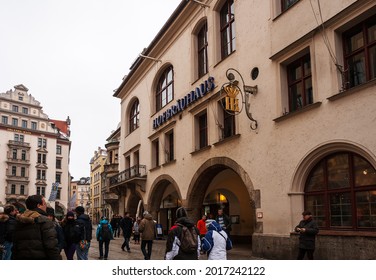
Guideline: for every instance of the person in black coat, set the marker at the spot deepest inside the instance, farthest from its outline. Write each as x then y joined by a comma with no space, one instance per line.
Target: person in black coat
84,223
126,225
308,230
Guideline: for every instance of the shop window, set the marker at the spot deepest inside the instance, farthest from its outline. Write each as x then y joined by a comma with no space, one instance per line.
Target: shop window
360,53
165,89
134,116
299,80
202,50
227,28
341,192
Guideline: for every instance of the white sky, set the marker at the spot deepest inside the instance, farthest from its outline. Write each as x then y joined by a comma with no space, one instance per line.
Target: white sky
72,54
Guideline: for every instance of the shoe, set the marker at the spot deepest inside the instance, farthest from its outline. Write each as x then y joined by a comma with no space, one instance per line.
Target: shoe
128,251
122,248
100,258
105,258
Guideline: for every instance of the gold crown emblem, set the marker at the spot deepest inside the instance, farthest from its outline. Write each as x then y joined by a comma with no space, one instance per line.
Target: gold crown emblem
231,91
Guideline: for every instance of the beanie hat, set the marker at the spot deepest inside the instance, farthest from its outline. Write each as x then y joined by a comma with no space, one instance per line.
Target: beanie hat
70,214
80,210
181,212
50,211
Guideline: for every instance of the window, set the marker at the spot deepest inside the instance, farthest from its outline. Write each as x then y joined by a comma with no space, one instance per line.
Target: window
18,138
202,130
285,4
14,171
228,121
155,153
23,172
341,191
13,189
360,53
23,155
42,143
227,23
127,162
14,154
24,124
299,78
58,178
165,89
134,117
41,191
41,174
202,49
42,158
58,163
22,189
58,193
169,146
25,110
58,149
15,108
33,125
4,120
14,122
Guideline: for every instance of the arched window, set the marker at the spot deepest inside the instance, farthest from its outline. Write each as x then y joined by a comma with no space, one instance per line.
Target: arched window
227,21
165,89
134,116
341,192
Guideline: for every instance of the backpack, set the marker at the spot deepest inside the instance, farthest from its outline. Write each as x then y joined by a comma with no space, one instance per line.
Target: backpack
105,232
188,239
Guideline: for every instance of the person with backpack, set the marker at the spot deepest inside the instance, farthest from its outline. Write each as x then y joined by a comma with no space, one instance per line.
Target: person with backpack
104,235
216,241
183,241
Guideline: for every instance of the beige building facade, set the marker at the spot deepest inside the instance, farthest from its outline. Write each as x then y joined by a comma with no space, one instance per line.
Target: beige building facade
34,152
263,109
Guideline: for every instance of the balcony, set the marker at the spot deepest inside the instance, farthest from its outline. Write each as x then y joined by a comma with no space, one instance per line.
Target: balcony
22,144
133,174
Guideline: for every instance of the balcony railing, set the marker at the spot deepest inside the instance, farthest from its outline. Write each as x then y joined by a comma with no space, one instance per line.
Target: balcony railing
135,171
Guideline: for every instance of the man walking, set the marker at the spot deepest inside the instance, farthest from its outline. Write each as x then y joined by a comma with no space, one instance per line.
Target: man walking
148,233
85,228
126,225
224,221
35,237
308,230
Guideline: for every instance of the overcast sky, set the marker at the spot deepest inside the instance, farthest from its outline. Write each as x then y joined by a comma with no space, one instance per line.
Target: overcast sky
72,55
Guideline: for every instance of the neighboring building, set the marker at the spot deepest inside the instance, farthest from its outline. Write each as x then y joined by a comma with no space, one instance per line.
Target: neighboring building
34,151
99,207
80,194
194,136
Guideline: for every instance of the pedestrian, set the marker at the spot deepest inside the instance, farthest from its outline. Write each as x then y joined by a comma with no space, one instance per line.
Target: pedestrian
308,230
104,235
35,237
3,218
59,230
224,221
85,228
126,225
10,226
201,226
183,241
71,235
115,224
136,230
216,242
148,234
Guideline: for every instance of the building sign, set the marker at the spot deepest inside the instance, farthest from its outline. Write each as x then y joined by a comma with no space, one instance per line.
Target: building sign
231,102
182,103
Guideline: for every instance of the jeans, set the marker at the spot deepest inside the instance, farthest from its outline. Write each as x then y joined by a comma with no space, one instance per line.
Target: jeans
7,250
126,243
82,254
106,244
146,253
69,251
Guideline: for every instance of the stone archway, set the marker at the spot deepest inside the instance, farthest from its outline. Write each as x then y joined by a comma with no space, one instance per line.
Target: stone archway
133,204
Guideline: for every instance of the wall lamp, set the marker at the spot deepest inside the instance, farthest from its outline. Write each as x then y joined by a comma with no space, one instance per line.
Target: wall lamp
200,3
232,89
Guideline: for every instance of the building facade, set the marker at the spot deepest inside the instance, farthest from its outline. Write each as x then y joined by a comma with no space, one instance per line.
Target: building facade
80,194
263,109
35,152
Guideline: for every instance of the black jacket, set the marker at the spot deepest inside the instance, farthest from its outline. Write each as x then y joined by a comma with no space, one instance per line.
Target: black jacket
85,227
307,238
126,225
10,227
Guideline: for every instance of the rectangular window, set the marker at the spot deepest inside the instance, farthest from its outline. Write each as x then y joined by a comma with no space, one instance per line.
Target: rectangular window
42,158
227,21
42,143
14,122
58,149
127,162
25,110
58,178
203,130
15,108
14,171
360,53
23,172
285,4
13,189
169,146
18,138
58,163
202,48
22,189
41,174
23,155
14,154
299,79
41,191
155,151
33,125
58,194
228,125
24,124
4,120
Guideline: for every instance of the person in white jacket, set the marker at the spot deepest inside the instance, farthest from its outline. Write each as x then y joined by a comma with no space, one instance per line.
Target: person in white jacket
216,242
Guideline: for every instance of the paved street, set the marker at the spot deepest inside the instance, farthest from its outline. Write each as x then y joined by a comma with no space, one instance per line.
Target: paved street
239,252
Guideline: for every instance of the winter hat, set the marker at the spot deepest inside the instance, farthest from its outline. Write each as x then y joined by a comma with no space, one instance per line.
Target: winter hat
181,212
50,211
70,214
80,210
1,210
307,213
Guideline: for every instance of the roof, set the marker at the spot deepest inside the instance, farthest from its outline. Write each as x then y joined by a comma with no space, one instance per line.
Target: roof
62,126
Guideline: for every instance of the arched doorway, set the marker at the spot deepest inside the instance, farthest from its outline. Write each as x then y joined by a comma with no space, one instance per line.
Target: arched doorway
222,183
135,205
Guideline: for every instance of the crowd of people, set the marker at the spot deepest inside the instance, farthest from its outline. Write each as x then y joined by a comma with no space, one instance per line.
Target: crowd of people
36,234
